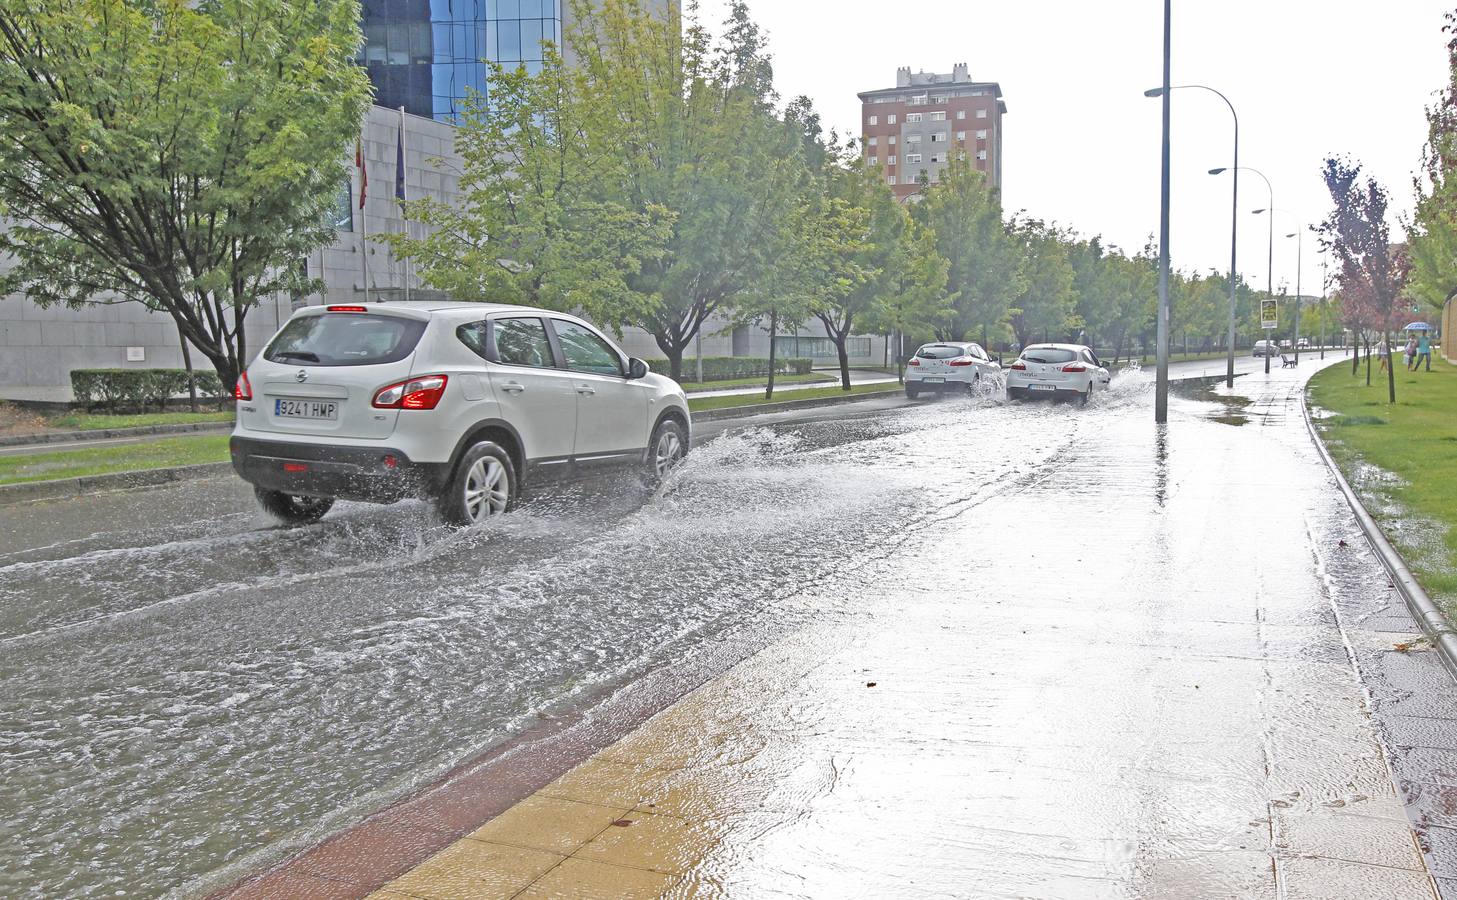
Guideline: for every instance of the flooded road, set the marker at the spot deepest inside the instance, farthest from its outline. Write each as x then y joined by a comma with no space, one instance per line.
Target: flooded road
186,690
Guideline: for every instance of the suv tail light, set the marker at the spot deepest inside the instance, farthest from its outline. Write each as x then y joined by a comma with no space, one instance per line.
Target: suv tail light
242,388
1075,367
1019,366
963,362
421,392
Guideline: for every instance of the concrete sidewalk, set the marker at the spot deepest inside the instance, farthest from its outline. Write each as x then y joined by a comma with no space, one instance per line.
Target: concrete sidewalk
1194,682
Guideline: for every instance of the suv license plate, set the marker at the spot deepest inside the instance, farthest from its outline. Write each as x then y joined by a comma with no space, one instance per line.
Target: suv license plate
306,409
934,380
1043,387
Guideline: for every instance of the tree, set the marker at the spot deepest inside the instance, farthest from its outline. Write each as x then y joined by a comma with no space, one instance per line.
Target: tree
913,298
532,226
857,227
181,156
1370,270
1433,242
692,121
1046,303
983,268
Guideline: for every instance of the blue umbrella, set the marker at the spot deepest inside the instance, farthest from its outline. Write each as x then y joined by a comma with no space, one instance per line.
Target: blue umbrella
1419,326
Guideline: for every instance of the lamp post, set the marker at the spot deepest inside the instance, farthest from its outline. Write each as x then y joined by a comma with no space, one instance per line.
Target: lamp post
1161,384
1324,304
1233,219
1270,276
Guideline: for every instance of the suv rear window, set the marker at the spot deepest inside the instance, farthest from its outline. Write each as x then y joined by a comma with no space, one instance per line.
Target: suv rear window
345,339
1048,355
939,351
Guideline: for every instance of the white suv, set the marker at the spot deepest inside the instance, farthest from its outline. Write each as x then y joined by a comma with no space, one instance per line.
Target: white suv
458,402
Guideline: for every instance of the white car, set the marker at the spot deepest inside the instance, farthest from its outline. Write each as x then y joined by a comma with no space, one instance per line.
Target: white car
457,402
947,366
1069,371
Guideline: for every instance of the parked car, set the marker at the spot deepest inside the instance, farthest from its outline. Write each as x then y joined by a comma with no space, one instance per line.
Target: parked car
1303,343
1266,348
461,403
947,366
1069,371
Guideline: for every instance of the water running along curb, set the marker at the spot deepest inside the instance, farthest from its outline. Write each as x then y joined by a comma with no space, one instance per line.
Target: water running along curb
1433,622
27,491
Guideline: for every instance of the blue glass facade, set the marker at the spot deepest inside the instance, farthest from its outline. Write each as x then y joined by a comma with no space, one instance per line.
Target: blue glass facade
425,54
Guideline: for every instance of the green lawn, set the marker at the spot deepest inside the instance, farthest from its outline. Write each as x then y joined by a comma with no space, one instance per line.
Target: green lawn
158,454
757,381
97,422
700,404
1416,440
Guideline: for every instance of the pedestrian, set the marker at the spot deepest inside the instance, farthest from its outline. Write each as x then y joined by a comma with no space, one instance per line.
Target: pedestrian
1424,352
1383,353
1409,355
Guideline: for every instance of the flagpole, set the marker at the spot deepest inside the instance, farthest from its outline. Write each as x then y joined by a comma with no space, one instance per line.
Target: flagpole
400,181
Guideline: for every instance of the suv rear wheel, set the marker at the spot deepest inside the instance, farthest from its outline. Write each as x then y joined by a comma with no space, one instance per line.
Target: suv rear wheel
294,509
484,485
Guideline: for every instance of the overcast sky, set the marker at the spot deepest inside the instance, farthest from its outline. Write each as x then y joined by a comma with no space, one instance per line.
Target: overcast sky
1308,77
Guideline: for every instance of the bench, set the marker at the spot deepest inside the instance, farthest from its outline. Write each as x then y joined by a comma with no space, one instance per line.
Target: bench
1287,362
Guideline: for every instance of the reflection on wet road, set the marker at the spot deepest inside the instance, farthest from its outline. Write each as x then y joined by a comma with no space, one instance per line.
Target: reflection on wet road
187,689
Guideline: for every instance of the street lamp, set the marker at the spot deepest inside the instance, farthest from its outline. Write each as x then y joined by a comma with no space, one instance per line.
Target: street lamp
1270,262
1234,217
1161,383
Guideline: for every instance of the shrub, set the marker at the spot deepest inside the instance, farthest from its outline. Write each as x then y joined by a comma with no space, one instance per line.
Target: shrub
727,368
137,389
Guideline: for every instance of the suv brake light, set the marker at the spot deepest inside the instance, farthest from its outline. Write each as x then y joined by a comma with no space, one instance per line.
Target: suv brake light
1019,366
421,392
1075,368
242,388
348,309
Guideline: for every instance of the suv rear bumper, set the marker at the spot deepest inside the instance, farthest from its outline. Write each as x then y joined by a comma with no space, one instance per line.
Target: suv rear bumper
327,470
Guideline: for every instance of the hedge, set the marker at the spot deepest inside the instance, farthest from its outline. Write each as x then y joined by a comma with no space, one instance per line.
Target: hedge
726,368
114,389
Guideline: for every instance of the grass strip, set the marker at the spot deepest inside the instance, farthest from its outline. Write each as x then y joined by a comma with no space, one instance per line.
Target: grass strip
1415,440
159,454
701,404
757,381
100,422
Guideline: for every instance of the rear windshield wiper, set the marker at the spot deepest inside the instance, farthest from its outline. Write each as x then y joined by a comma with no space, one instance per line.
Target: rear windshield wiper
306,355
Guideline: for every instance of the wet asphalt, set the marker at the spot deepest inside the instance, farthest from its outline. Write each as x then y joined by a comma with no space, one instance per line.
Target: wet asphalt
1153,625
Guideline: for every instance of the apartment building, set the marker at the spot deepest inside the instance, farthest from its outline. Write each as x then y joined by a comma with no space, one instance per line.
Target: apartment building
912,131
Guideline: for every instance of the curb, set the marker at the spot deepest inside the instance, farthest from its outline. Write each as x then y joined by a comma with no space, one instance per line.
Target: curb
1433,622
28,491
757,409
102,434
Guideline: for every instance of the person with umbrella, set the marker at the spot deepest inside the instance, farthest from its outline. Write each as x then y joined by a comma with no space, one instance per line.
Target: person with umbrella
1424,346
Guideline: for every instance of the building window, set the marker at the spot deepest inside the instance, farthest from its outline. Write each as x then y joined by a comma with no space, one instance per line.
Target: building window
890,179
912,117
938,116
912,158
890,160
937,158
787,345
981,134
938,137
981,154
873,160
981,114
875,120
939,98
961,114
870,142
961,135
913,139
892,140
890,119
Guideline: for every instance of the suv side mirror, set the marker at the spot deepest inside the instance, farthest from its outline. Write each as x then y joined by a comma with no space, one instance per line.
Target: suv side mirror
636,368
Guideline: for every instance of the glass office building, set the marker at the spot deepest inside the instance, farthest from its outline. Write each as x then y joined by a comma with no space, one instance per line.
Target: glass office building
425,55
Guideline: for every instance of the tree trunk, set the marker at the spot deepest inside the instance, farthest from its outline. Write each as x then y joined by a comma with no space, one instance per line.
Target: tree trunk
1368,364
900,359
1355,355
1390,368
773,329
191,376
840,341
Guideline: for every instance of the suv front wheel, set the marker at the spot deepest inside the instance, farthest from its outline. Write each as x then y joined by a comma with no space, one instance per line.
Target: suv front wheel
667,449
484,485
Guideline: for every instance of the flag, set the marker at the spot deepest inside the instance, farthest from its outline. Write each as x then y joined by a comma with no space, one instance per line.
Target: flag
363,172
400,160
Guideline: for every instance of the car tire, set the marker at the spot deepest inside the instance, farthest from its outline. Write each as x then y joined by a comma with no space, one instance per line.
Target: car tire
483,485
912,392
293,509
1086,395
668,447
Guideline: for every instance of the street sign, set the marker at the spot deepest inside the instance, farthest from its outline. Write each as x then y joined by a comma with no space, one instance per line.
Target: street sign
1269,314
